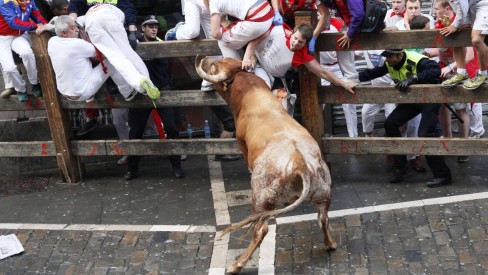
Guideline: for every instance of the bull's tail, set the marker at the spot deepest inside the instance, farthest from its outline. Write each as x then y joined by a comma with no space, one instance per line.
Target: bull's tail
264,216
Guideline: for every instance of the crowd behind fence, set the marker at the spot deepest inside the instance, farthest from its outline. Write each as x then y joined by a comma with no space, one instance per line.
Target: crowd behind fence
61,112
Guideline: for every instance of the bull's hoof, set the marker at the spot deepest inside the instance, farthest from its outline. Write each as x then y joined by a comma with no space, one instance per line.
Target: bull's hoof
331,246
235,269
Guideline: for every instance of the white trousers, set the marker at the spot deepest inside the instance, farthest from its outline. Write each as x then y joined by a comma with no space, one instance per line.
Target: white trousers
97,78
6,81
22,46
476,118
348,109
196,15
105,27
412,127
369,112
121,122
239,35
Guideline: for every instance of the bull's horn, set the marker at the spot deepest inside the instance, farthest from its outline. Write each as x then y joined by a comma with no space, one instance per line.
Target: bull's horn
214,78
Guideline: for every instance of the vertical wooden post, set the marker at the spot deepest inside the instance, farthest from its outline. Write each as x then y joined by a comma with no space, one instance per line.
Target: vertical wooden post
69,165
312,117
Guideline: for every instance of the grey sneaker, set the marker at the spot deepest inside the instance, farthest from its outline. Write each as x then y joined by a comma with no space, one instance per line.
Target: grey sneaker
8,92
476,135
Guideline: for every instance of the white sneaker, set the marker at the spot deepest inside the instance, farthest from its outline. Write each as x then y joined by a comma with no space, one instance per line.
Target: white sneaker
207,87
476,135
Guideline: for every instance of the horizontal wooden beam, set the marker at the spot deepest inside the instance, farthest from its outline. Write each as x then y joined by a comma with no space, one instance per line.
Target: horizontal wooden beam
27,149
330,145
415,94
208,146
167,99
396,40
181,48
13,104
400,146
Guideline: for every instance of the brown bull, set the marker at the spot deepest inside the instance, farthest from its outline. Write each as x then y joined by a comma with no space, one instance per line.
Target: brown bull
285,160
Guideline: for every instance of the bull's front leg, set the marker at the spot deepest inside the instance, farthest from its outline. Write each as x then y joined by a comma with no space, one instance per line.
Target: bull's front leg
260,231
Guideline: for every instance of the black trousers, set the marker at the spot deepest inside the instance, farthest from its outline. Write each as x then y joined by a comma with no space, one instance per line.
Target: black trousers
427,128
137,123
224,114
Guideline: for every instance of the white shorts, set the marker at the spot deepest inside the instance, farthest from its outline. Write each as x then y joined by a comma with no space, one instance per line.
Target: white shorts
480,22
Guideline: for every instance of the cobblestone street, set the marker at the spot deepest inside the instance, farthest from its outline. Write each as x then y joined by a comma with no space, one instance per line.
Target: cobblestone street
158,225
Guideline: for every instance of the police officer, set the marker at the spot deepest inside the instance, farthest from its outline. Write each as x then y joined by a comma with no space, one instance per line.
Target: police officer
407,68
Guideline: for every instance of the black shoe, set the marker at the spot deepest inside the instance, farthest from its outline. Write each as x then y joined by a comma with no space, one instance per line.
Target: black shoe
398,175
178,172
36,90
130,175
438,182
226,157
88,127
463,159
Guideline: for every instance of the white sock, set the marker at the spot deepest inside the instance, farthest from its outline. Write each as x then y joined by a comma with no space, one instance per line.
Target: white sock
461,71
485,72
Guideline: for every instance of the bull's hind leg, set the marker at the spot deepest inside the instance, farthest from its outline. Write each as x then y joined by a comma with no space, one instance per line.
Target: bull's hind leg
260,231
323,208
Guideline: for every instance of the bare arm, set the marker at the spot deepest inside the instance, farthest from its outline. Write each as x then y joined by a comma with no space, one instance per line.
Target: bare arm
321,72
215,26
325,14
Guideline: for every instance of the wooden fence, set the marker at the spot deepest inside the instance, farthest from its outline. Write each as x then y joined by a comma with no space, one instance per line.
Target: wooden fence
67,151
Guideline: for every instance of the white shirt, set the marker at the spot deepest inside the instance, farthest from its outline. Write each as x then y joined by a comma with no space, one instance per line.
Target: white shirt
71,63
392,20
236,8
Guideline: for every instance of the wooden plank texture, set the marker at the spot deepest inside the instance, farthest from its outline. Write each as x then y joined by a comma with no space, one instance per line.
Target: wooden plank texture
208,146
182,48
400,146
396,40
61,133
415,94
27,149
168,99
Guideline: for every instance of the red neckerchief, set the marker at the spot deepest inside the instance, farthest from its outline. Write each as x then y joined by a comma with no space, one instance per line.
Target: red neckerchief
402,14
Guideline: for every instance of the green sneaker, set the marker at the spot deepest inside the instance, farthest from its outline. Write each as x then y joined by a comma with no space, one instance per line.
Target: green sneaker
151,90
454,80
475,82
22,97
36,90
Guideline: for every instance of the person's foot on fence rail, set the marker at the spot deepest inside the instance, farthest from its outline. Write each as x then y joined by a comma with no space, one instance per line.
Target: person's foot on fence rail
476,135
88,127
151,90
475,82
8,92
227,157
454,80
22,97
122,161
36,90
171,33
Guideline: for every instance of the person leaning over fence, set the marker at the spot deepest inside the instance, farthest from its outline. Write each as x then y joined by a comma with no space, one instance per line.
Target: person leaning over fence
474,12
281,48
408,68
16,18
254,18
413,8
158,71
76,79
104,24
197,14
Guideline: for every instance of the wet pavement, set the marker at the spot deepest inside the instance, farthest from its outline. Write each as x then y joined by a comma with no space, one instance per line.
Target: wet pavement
156,224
